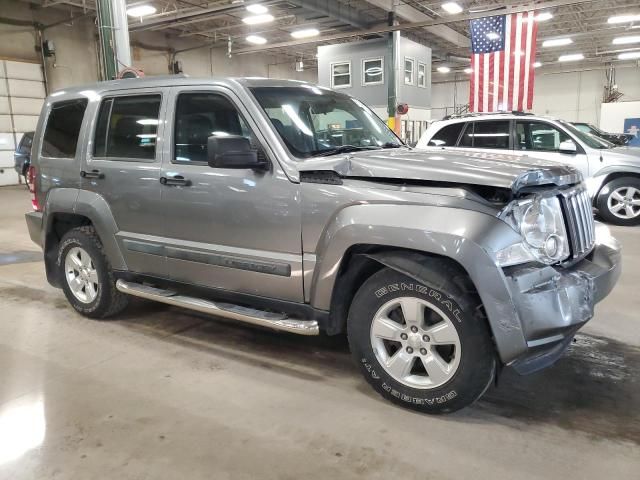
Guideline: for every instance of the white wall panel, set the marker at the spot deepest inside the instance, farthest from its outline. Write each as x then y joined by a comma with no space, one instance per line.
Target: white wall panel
25,123
25,106
2,70
8,176
6,159
3,86
5,124
26,88
7,143
4,105
23,70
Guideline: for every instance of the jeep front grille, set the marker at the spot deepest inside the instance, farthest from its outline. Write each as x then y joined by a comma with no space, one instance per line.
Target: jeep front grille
580,222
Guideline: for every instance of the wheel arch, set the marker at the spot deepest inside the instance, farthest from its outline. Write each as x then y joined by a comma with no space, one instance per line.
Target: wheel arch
608,175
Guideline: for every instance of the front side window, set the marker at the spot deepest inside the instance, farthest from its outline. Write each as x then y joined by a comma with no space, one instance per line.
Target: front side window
319,122
200,115
63,129
127,127
422,75
341,75
539,136
447,136
408,70
372,71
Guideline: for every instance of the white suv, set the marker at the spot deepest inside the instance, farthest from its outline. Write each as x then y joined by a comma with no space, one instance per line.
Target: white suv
612,173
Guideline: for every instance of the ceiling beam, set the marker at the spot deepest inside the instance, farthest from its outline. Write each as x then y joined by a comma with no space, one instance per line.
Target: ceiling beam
339,11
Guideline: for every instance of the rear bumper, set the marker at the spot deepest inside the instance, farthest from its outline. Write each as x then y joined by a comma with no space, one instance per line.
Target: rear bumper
553,303
34,225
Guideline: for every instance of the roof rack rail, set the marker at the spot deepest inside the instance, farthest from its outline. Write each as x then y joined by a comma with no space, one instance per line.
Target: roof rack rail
481,114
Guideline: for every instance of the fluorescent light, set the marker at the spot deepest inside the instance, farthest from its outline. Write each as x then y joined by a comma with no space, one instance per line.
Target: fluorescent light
444,69
451,8
557,42
493,36
257,8
624,19
571,57
141,11
537,64
629,55
147,121
468,70
626,40
305,33
256,19
256,39
544,16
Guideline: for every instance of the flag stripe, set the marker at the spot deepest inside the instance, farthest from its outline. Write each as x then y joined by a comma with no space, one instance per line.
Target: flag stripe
532,59
480,88
485,84
507,64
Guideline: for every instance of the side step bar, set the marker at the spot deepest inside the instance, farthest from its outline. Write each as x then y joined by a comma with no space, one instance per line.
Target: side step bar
276,321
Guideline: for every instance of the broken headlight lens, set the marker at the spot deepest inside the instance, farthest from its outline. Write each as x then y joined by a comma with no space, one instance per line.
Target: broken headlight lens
540,222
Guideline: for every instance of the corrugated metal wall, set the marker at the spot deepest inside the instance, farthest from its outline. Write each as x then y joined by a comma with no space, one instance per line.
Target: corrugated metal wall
21,96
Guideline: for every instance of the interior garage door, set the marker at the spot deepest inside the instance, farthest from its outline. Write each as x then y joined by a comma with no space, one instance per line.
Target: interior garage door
21,97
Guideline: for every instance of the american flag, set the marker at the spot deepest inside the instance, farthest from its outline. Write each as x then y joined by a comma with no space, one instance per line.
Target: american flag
503,51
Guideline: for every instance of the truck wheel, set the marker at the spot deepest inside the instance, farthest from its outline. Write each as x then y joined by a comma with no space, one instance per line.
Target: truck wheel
422,345
619,201
87,278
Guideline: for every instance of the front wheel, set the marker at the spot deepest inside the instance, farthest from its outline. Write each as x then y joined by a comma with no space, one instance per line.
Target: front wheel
619,201
421,345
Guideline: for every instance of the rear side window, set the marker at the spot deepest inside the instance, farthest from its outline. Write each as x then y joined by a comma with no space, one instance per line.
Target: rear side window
127,127
488,134
447,136
63,129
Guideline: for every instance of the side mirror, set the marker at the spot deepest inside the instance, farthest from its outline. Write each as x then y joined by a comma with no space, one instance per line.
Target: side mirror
568,147
232,151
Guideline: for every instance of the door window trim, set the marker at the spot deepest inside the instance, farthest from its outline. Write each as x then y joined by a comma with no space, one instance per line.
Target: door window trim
579,148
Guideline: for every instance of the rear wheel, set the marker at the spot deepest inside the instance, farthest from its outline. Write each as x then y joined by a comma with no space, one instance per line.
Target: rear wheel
619,201
421,345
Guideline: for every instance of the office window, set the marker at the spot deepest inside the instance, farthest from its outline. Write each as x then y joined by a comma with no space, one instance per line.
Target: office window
372,71
127,127
409,64
422,75
63,129
341,75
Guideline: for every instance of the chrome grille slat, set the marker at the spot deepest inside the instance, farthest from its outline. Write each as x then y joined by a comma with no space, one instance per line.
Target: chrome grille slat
580,222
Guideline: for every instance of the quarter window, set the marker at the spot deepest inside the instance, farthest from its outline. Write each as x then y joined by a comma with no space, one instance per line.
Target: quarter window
372,71
200,115
490,134
539,136
63,129
341,75
409,64
447,136
127,127
422,75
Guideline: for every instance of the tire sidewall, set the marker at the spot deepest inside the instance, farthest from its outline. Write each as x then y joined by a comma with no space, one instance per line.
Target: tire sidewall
603,201
477,363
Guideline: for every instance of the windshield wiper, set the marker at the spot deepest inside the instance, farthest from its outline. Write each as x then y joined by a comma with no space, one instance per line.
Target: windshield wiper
392,145
342,149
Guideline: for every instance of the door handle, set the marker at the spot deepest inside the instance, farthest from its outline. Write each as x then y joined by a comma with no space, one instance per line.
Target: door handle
177,180
91,174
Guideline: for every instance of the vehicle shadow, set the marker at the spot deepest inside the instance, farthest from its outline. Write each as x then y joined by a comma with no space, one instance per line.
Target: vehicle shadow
593,389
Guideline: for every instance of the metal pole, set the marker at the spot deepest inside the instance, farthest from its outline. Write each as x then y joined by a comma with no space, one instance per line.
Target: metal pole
121,34
105,32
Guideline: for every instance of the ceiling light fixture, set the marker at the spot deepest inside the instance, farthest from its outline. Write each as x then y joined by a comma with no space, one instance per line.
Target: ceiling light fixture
557,42
544,16
256,39
626,40
573,57
629,56
141,11
624,19
257,9
468,70
256,19
444,69
305,33
452,8
493,36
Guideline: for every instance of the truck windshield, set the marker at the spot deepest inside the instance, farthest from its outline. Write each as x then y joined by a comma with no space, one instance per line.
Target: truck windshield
591,140
314,121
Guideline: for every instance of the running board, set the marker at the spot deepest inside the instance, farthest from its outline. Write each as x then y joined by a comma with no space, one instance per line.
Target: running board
276,321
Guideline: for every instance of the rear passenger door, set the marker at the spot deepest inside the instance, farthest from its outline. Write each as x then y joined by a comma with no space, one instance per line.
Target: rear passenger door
487,135
122,164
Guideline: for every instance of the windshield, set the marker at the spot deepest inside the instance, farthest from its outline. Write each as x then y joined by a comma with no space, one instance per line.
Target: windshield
592,141
314,121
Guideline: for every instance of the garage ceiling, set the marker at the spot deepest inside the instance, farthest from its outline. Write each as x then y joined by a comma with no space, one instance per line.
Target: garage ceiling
215,22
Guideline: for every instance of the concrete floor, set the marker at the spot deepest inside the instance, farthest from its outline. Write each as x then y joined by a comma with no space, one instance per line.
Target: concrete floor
162,393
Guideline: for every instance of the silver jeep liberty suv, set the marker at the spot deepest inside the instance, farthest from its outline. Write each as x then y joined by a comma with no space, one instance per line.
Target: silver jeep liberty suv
290,206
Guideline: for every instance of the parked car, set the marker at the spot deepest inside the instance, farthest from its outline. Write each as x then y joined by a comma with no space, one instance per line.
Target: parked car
22,156
612,173
619,139
216,195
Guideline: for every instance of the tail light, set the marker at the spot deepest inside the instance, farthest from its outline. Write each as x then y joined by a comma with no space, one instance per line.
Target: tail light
31,178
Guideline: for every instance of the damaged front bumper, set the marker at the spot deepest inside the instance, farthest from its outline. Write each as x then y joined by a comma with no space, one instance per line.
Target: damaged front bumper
552,303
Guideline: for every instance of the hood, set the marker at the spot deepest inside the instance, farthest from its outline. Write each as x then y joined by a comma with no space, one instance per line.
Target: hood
435,165
622,156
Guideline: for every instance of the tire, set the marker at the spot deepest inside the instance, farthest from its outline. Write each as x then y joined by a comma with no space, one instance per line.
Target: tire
470,364
93,293
618,202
